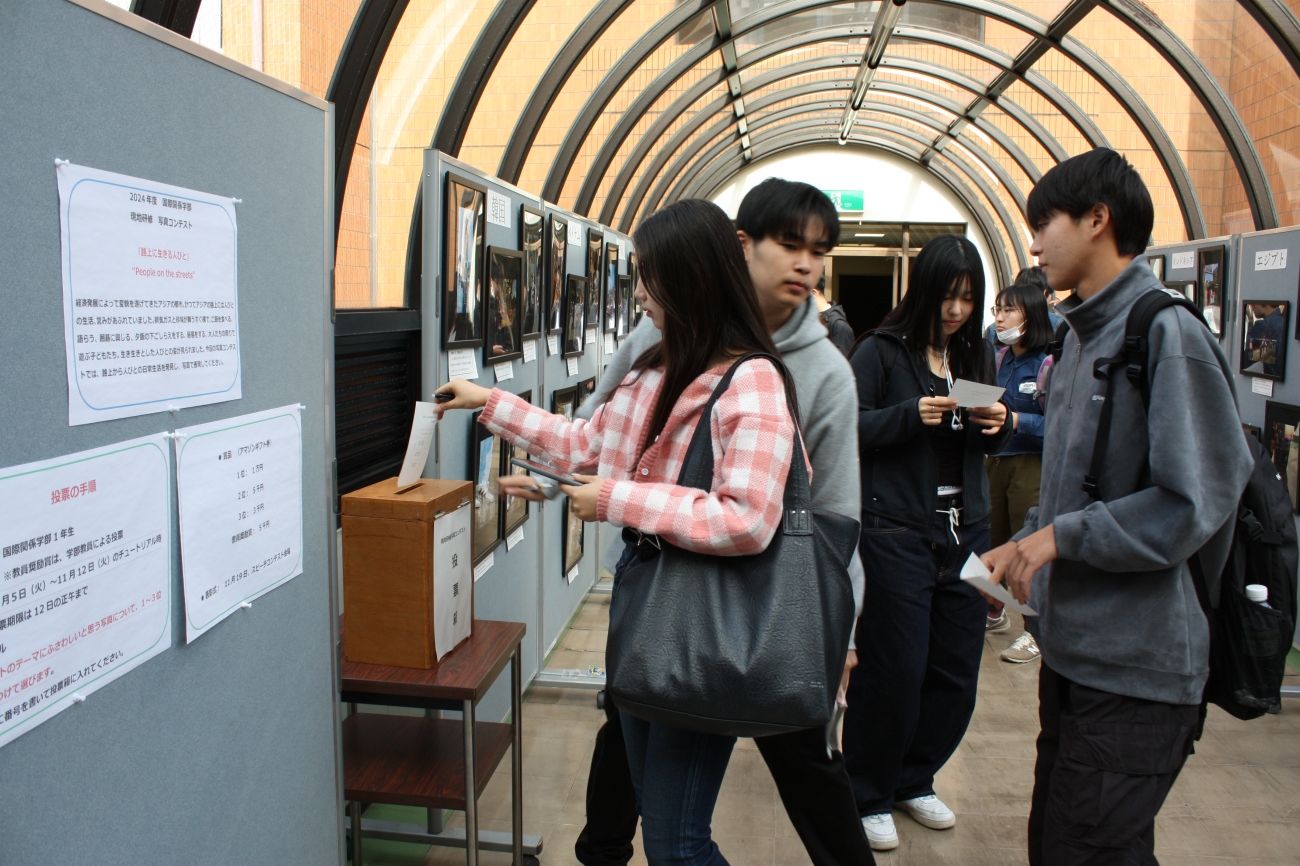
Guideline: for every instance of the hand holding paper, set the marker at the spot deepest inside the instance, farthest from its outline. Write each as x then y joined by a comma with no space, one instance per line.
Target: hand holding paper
975,574
974,395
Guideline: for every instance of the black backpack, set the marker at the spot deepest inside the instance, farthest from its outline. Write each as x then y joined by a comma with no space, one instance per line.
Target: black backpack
1248,642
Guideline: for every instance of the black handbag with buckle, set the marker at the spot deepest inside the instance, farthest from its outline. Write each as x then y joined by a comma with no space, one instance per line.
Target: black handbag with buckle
743,646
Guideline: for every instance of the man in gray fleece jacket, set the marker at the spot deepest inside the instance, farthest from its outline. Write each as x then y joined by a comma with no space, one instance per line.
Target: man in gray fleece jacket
786,229
1125,643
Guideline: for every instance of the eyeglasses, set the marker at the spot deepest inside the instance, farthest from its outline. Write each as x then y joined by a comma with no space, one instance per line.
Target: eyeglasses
995,310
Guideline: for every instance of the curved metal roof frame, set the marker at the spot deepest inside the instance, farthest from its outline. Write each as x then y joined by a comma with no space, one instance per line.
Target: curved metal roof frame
788,140
1215,102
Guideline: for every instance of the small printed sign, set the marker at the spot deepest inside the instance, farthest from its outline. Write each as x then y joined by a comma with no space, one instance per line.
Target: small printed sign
572,575
1180,261
1270,260
1261,386
514,538
482,568
498,209
530,351
575,233
553,344
505,370
572,366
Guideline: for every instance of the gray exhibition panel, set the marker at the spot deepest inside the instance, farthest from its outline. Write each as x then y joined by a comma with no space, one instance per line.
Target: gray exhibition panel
222,751
526,584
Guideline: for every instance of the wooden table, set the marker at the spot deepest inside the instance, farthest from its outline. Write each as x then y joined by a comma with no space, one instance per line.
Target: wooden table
431,762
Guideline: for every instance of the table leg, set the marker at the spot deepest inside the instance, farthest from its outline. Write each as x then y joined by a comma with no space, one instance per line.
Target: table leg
517,758
471,787
355,807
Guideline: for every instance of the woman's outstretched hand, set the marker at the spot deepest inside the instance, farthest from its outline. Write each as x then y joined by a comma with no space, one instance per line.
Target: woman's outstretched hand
991,418
523,486
465,395
583,498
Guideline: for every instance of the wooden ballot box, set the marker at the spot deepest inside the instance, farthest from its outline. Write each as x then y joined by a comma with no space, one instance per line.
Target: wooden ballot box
408,582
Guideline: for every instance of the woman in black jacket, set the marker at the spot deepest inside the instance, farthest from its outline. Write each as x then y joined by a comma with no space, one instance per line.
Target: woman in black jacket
925,509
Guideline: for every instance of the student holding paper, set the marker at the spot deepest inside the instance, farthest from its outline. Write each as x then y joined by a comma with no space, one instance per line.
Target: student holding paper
925,510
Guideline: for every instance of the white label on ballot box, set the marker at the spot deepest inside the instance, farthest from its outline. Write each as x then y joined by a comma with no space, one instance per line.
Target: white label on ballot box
453,580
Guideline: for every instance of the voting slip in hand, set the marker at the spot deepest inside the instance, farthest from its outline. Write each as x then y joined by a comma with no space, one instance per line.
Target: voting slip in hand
973,395
975,574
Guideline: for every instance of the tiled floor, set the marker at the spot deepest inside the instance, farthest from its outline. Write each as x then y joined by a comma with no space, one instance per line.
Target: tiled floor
1237,801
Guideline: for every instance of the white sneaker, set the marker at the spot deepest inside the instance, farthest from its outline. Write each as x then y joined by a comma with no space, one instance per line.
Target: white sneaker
1023,650
929,811
880,832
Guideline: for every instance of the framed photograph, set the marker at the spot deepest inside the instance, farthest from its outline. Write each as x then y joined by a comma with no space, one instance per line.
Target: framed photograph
635,304
484,470
575,317
557,255
505,337
462,268
1281,442
574,537
531,224
586,388
624,307
1264,338
1210,272
564,402
610,288
1157,264
1252,430
595,244
515,508
1188,290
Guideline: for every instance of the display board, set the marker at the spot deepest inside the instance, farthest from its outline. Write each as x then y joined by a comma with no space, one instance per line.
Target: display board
518,579
224,749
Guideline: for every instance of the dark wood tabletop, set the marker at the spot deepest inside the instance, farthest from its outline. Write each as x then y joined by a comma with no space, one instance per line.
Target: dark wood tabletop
464,674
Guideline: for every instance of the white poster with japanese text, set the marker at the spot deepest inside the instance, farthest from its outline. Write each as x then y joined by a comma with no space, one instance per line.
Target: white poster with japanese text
85,575
239,493
453,580
150,298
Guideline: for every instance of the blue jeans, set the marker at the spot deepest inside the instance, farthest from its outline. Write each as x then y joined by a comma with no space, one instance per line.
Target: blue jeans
676,775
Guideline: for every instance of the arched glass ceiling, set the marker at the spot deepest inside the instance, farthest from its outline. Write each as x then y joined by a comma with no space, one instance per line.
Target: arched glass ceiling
614,107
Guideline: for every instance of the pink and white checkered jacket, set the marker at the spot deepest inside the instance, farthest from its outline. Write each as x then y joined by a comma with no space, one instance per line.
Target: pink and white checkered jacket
753,437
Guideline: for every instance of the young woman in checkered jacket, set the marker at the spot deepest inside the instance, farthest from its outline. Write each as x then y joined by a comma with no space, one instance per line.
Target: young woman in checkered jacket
695,285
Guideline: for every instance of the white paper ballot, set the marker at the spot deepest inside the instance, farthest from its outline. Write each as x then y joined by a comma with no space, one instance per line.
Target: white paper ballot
530,351
553,344
461,364
609,343
974,573
453,580
973,394
150,301
504,370
85,575
239,493
571,364
417,447
591,337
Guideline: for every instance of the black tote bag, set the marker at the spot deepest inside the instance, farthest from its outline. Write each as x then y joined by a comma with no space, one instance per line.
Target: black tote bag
743,646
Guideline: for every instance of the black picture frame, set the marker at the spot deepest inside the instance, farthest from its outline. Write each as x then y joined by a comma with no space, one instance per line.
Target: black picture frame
609,289
1252,430
575,541
564,402
1185,288
1282,444
624,307
637,312
557,257
532,230
514,510
464,248
585,389
504,334
595,244
484,473
1157,265
1211,272
1265,335
575,317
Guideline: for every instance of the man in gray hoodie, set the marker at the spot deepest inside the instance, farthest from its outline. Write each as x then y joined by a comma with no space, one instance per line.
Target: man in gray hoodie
786,229
1125,644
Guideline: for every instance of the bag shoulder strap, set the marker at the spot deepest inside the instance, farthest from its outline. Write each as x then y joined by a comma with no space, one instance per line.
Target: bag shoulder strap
1002,354
697,468
1133,357
1057,343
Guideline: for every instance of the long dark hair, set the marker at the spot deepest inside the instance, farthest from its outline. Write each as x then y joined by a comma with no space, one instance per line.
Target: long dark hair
942,267
1037,330
692,264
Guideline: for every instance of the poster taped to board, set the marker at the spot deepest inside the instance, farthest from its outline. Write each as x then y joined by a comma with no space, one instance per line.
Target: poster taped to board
85,575
150,295
239,494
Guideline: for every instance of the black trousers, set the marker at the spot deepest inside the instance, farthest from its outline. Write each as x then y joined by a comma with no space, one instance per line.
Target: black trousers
1105,765
920,638
815,790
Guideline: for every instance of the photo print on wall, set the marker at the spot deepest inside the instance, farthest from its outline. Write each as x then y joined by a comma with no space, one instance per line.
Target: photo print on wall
557,256
484,470
1157,264
531,227
624,307
1265,336
574,537
609,288
595,244
515,507
462,300
1281,443
505,339
1210,273
564,402
575,317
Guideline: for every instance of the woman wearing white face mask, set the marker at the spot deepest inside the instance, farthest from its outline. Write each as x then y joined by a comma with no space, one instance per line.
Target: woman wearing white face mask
1023,332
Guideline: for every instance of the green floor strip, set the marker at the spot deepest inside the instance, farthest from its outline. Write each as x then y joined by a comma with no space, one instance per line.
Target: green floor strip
380,852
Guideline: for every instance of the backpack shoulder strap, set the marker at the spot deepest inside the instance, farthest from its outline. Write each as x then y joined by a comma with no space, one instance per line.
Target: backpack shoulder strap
1133,357
1057,342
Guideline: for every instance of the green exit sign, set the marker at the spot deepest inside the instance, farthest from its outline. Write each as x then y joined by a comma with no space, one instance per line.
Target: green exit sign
845,199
